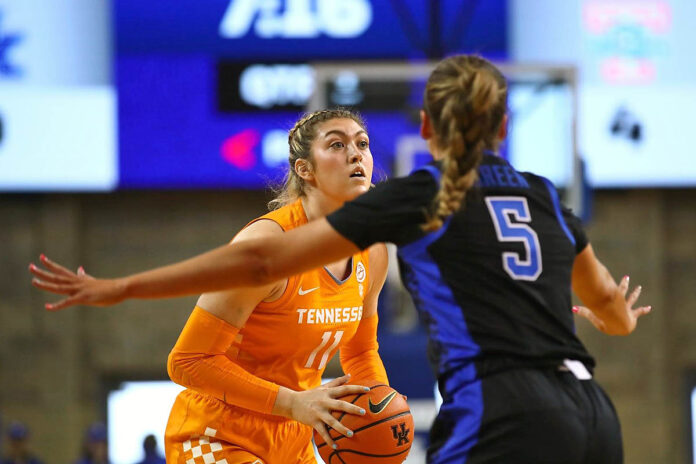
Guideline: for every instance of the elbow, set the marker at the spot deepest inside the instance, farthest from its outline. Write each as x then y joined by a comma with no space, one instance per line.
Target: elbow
172,366
179,368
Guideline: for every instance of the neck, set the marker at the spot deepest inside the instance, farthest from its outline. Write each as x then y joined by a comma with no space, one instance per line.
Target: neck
433,148
317,205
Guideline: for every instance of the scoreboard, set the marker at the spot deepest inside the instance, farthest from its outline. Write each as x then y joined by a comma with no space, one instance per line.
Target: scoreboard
97,96
208,90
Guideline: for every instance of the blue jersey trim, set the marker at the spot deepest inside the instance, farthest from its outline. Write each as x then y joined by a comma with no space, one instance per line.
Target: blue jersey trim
426,240
557,207
435,301
450,341
458,423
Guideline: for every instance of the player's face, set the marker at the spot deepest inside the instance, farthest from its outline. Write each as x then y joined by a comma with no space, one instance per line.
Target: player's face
342,161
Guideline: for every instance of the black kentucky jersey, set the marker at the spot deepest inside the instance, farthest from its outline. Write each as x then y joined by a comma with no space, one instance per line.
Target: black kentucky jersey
493,284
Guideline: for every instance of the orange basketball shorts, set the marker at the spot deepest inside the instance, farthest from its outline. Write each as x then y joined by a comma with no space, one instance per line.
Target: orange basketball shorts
204,430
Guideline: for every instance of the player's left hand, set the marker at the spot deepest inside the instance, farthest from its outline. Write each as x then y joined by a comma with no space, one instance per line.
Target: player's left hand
79,287
632,313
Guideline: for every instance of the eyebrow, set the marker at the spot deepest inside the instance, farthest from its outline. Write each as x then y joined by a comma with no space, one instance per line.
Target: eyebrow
340,132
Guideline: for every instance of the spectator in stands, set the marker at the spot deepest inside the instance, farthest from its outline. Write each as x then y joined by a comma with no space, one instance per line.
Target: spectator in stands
95,449
152,455
18,446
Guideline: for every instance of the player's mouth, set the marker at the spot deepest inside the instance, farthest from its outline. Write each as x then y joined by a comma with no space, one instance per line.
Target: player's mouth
358,172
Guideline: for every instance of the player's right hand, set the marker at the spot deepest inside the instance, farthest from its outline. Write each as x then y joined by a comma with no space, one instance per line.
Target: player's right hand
631,314
80,288
313,407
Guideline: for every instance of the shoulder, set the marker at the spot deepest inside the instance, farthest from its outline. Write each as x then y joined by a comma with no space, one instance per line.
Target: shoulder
416,189
379,262
544,187
427,177
259,228
262,227
378,256
537,180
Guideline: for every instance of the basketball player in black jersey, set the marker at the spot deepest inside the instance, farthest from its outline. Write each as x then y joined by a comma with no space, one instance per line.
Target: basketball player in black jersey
489,256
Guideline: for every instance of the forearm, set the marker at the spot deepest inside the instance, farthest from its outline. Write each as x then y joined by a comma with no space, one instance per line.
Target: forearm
360,356
597,289
366,365
222,268
217,376
198,361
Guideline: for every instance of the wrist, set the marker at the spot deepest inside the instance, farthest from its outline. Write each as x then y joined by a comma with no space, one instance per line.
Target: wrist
124,288
283,402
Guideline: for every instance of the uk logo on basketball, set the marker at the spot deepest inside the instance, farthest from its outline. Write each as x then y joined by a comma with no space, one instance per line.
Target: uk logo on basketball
400,435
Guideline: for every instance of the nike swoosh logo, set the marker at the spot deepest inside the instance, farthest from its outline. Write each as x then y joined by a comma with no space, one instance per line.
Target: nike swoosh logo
379,407
304,292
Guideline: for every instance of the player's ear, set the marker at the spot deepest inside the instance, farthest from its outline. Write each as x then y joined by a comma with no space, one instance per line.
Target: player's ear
503,131
303,168
426,126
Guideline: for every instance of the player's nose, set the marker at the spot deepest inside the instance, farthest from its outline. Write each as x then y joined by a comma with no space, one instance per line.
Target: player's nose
354,156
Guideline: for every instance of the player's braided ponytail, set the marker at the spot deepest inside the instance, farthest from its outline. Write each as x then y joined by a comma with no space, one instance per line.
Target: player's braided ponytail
300,140
466,100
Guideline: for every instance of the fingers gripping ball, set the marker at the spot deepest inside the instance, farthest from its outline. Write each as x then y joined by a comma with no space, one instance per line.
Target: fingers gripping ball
383,435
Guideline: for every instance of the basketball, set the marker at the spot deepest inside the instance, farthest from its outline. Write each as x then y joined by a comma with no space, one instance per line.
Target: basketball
383,435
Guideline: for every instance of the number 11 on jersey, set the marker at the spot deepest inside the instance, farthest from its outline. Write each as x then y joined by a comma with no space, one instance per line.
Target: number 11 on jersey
325,337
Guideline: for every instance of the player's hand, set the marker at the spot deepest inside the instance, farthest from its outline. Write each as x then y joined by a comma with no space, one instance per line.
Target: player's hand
632,314
313,407
80,288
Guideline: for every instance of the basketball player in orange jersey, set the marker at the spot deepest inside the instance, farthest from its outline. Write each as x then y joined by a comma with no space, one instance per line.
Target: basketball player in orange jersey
252,358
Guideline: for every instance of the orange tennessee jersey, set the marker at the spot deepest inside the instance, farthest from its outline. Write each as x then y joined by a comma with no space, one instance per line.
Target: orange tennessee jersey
290,340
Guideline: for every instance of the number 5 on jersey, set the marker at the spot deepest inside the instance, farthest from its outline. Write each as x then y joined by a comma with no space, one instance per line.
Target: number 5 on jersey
502,211
326,336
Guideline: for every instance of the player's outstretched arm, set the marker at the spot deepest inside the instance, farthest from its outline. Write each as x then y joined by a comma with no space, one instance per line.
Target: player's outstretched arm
607,306
248,263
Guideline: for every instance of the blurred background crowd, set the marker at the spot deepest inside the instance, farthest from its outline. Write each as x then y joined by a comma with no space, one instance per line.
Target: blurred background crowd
94,448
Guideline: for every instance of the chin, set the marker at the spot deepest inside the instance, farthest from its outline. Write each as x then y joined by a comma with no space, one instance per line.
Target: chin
362,189
356,192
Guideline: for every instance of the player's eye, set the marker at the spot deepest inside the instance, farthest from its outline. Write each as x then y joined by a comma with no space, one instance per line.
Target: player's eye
363,144
337,145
